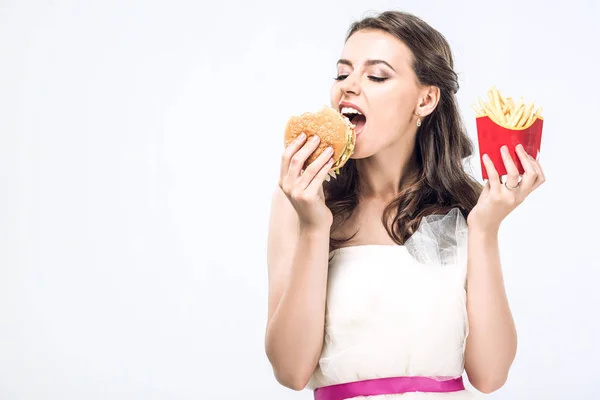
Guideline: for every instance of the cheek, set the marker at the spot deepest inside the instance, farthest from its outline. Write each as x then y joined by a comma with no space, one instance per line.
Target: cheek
334,96
394,108
389,112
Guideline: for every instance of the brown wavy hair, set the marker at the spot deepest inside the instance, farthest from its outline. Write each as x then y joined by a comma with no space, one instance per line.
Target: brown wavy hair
439,182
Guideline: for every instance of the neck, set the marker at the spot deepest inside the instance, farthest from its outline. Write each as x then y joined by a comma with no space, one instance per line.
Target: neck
384,175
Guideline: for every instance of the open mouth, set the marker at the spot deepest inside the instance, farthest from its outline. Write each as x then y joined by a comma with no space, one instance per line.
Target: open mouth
355,116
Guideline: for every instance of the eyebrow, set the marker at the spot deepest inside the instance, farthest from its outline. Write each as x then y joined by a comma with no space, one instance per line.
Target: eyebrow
368,62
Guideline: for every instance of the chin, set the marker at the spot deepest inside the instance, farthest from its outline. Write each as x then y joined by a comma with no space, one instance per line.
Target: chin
358,154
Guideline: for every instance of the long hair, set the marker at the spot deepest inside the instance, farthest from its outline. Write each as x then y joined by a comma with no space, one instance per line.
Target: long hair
439,181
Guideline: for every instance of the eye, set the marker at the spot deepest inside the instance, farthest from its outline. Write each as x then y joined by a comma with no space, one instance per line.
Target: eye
377,79
341,77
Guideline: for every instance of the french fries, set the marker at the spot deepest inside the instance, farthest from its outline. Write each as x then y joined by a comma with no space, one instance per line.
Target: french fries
505,112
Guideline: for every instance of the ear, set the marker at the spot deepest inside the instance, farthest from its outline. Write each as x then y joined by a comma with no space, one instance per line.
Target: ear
428,100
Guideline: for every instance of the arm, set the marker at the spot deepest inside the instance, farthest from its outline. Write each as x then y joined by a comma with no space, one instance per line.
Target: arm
297,264
492,341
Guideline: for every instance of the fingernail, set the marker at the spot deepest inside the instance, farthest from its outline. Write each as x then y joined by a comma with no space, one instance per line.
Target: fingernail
301,136
329,150
486,157
315,138
520,147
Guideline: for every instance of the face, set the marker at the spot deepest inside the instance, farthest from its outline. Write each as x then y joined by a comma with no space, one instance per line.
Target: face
375,75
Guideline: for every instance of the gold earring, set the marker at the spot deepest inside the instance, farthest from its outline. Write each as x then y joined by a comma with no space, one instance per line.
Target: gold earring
419,119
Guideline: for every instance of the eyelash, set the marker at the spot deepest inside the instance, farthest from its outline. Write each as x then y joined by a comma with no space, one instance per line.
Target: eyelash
373,78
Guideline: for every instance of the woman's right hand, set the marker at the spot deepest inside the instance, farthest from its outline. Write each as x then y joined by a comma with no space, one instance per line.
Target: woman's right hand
305,189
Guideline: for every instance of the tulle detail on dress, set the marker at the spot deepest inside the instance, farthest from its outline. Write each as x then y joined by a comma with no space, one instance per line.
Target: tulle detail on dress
440,240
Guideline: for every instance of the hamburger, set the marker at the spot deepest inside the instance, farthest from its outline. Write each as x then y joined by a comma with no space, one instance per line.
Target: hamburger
332,127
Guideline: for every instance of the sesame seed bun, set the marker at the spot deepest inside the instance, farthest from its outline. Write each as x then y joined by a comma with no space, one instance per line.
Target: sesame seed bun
332,127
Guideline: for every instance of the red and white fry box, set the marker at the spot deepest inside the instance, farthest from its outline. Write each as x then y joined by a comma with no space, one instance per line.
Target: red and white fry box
492,137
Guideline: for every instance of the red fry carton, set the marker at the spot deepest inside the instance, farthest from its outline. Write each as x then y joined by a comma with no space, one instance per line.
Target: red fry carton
492,137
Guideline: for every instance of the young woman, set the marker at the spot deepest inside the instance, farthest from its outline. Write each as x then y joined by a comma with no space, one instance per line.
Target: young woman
387,280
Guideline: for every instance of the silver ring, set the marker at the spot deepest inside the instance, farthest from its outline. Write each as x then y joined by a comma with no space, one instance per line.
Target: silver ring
512,188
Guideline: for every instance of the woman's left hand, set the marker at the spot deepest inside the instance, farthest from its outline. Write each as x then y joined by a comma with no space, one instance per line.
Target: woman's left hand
497,200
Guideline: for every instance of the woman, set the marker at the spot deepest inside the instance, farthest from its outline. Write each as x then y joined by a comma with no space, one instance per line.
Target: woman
387,280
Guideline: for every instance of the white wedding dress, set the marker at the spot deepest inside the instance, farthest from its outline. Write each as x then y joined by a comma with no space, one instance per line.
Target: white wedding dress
398,310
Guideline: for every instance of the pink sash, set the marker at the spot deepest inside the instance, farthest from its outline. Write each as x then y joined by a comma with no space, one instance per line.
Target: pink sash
398,385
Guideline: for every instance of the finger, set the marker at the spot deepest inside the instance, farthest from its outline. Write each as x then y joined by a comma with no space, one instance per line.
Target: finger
313,169
299,159
541,177
531,173
536,163
512,178
533,164
289,152
317,182
493,177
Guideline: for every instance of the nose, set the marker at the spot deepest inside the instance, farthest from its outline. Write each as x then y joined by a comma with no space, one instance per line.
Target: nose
350,85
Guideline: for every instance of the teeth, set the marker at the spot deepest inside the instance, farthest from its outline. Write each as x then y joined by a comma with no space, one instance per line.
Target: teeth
350,110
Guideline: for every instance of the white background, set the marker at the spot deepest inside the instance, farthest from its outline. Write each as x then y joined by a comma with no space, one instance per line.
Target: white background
139,147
